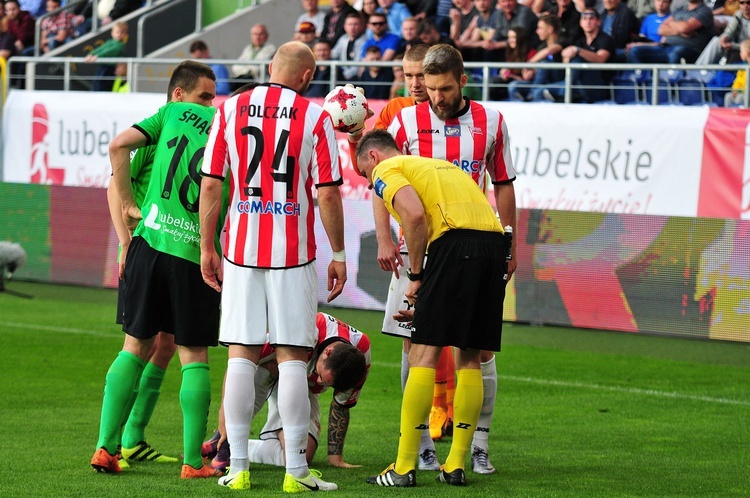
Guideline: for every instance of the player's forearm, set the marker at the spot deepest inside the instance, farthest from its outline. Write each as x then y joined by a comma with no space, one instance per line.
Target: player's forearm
505,200
115,212
382,221
338,424
209,208
332,216
120,159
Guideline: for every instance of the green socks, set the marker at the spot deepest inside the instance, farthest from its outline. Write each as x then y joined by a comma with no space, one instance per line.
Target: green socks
147,394
195,398
121,379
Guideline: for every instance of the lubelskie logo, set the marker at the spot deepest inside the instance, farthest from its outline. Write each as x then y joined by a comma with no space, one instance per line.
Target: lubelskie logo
40,170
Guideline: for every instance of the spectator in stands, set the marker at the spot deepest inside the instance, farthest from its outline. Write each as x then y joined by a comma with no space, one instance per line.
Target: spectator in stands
517,50
259,49
19,34
120,84
386,42
351,46
594,46
321,82
306,33
620,23
199,50
369,7
429,34
442,14
82,17
461,17
56,29
120,9
736,98
511,13
376,80
36,8
642,8
649,32
333,26
114,47
549,50
3,21
312,14
395,14
398,87
480,30
570,22
728,43
685,34
409,34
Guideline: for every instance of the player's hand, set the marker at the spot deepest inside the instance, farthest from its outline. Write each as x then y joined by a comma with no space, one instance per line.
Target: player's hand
211,269
404,316
131,216
512,264
338,461
411,291
356,133
336,279
389,257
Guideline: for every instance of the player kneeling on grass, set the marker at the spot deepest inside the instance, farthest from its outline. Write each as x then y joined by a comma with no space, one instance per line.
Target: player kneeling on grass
340,359
440,207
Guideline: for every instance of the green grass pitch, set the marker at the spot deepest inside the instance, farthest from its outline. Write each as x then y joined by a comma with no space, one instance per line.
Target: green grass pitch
579,413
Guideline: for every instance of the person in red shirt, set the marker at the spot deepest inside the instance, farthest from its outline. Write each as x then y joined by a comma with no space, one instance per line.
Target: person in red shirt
19,33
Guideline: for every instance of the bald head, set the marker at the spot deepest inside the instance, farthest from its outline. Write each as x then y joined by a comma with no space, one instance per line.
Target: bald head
293,66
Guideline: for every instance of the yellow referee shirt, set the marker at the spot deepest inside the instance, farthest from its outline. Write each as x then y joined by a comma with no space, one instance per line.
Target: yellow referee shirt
451,199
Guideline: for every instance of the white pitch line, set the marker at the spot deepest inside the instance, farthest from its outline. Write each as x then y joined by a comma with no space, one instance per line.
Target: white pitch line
599,387
63,330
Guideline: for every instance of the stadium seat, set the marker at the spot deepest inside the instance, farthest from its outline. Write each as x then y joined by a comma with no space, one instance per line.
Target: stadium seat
690,91
664,95
625,89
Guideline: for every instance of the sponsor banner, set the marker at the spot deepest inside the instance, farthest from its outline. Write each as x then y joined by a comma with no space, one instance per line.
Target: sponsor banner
57,138
660,160
609,159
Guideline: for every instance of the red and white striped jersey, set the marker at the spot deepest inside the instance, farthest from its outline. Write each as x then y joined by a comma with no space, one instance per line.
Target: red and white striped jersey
330,329
275,145
476,140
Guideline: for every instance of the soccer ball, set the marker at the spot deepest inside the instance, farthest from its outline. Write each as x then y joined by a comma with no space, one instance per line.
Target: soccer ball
347,107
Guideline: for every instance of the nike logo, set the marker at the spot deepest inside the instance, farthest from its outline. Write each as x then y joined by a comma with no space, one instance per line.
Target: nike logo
311,488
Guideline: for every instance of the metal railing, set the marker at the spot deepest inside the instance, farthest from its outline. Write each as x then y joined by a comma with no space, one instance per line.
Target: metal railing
142,73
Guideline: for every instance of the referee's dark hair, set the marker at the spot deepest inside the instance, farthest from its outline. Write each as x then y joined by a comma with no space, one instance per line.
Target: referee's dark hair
375,139
186,76
347,365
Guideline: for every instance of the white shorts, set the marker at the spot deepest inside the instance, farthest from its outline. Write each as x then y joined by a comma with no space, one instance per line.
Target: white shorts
273,423
281,302
397,301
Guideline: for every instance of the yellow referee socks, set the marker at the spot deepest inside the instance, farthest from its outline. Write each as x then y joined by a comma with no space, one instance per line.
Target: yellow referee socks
415,408
467,404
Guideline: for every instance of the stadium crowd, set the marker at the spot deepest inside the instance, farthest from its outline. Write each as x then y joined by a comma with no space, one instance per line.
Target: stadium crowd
535,31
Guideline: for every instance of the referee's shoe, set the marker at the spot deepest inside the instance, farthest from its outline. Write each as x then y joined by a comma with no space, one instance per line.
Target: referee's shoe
454,478
390,478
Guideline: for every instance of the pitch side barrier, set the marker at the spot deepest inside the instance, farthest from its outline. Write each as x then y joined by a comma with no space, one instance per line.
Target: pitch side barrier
654,84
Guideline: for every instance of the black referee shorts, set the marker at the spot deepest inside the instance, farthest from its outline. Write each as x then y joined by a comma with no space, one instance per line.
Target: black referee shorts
167,293
460,301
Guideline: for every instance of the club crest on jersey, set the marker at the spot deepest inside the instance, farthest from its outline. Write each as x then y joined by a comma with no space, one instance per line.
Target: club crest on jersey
379,187
475,130
452,130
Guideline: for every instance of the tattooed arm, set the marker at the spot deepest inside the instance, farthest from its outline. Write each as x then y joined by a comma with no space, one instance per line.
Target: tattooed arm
338,423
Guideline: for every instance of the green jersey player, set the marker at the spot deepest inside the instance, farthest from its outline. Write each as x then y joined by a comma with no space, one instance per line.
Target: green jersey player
165,290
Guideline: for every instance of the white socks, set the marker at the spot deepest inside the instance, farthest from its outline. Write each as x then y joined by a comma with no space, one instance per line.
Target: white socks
239,400
489,383
294,409
268,451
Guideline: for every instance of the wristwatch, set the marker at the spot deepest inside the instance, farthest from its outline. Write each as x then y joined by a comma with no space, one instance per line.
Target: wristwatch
414,277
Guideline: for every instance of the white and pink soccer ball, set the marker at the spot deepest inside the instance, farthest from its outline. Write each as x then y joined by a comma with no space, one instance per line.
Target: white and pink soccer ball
347,107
